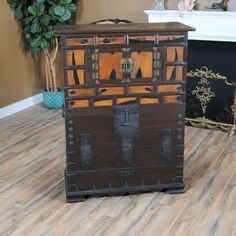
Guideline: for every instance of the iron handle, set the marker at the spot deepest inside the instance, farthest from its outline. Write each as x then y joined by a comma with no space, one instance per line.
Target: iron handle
126,122
148,89
102,91
84,41
106,40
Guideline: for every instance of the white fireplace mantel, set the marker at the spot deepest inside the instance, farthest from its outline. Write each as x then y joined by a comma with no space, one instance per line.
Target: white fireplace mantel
210,26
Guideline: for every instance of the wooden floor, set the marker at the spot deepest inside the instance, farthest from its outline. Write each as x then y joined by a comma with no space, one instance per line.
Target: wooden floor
32,198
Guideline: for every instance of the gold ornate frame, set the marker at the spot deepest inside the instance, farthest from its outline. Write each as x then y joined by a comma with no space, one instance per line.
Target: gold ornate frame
204,94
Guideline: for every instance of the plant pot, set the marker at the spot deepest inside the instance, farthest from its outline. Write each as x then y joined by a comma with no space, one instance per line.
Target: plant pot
53,100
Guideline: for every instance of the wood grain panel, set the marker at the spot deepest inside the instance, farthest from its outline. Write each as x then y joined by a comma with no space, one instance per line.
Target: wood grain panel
175,54
78,57
108,62
149,100
78,103
81,92
127,99
107,102
71,78
174,73
79,41
167,88
143,61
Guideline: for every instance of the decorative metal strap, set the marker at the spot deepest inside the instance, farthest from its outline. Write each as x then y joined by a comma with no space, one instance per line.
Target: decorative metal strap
86,149
166,144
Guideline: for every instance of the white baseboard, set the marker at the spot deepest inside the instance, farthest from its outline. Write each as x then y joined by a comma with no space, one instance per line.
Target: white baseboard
21,105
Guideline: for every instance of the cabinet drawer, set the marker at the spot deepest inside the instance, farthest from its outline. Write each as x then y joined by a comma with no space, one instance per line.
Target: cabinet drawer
149,101
168,88
111,91
173,38
78,103
172,99
110,40
140,89
79,41
126,100
103,103
142,39
81,92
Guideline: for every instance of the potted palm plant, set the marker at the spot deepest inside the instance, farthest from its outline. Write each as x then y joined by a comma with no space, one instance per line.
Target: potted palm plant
38,19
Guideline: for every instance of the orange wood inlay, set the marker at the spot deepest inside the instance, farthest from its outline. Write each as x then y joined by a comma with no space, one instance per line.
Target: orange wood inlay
122,100
140,89
78,103
71,80
179,72
143,38
81,92
167,88
170,99
171,54
79,41
103,103
78,55
149,101
110,40
170,37
111,91
142,60
108,62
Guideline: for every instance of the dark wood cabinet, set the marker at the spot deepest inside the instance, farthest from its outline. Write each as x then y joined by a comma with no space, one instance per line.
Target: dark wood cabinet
124,107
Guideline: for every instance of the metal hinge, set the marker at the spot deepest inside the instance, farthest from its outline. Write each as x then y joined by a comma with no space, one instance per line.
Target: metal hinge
127,65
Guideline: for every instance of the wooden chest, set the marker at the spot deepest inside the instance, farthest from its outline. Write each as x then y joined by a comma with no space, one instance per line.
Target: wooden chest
124,108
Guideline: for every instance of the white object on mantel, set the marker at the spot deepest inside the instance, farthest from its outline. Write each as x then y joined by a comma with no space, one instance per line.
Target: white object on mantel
210,26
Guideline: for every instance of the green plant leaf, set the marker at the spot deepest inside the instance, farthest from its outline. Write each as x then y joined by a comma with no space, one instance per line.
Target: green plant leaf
29,19
38,19
26,29
35,27
45,20
71,7
41,7
59,10
48,34
36,42
12,3
18,14
64,2
33,10
66,16
44,44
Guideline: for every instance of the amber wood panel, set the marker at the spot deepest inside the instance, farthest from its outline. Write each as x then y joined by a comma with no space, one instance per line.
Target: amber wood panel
32,150
175,54
142,61
71,76
78,57
174,73
108,62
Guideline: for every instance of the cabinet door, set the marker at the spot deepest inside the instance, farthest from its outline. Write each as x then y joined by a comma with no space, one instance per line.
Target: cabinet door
127,64
108,65
147,63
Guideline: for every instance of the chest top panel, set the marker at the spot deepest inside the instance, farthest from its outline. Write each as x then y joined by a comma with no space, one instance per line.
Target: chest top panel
124,28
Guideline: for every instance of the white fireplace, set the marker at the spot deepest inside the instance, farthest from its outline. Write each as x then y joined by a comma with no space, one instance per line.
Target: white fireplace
210,26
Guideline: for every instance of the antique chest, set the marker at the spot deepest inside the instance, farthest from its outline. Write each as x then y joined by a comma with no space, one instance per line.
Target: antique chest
124,108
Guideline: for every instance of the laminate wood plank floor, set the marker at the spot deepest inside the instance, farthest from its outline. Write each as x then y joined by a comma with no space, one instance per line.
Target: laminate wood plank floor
32,197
